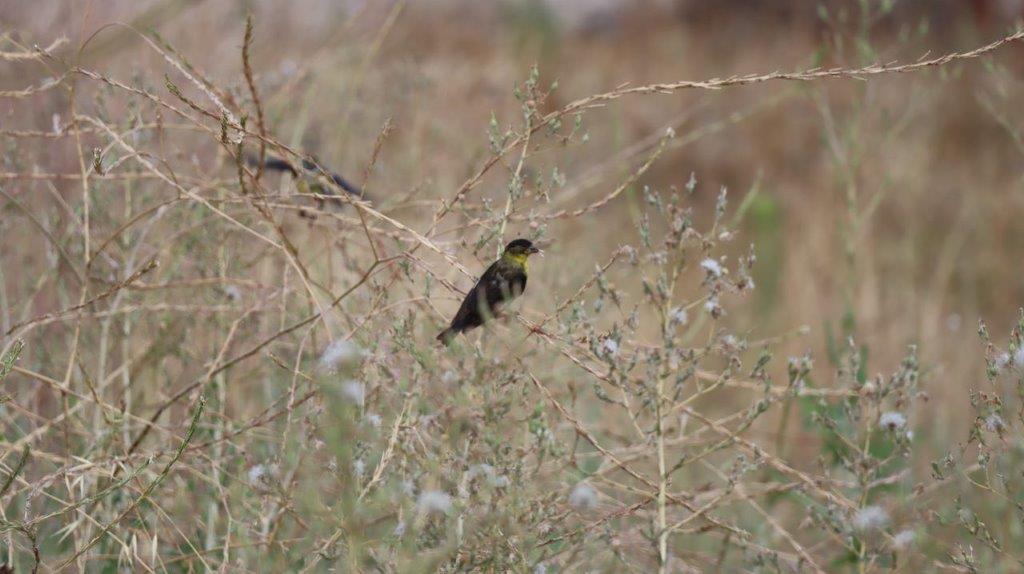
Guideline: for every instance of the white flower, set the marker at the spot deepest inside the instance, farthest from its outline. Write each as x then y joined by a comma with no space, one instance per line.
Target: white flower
449,377
966,515
609,348
630,252
903,539
892,421
478,469
353,390
1018,357
399,528
678,316
1002,361
408,488
493,478
542,568
434,501
583,496
233,292
994,423
338,353
374,420
256,472
691,183
713,267
870,518
359,467
712,306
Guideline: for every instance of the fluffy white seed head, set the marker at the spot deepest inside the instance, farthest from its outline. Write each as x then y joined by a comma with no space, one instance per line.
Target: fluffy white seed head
610,348
434,501
353,391
871,518
583,496
903,539
713,268
892,421
1018,358
338,353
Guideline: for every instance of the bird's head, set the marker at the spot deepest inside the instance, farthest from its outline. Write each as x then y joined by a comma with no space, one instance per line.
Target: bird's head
519,250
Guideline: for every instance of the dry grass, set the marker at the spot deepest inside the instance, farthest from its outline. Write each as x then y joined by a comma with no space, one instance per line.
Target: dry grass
210,366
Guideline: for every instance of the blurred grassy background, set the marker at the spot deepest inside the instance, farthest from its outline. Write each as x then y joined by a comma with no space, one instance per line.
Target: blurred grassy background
890,210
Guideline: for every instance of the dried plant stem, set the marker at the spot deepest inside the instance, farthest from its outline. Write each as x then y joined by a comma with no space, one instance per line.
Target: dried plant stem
661,528
198,411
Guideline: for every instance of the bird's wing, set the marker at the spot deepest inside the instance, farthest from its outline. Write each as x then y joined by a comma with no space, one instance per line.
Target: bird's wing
315,167
502,284
496,286
470,308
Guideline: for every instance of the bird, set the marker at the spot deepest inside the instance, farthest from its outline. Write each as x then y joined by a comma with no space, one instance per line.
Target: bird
307,177
502,282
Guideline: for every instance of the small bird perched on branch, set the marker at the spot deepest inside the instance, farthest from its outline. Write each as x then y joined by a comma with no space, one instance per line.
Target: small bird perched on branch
307,177
502,282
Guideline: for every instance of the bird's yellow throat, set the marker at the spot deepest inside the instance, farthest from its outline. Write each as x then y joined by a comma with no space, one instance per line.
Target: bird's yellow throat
518,259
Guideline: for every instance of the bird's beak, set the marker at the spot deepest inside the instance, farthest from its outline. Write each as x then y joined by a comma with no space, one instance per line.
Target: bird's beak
536,250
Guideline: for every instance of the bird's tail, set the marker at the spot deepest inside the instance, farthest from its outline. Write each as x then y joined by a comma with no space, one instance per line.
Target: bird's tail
272,163
447,335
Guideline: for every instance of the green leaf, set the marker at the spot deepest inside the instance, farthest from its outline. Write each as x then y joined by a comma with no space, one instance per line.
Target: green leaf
7,361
